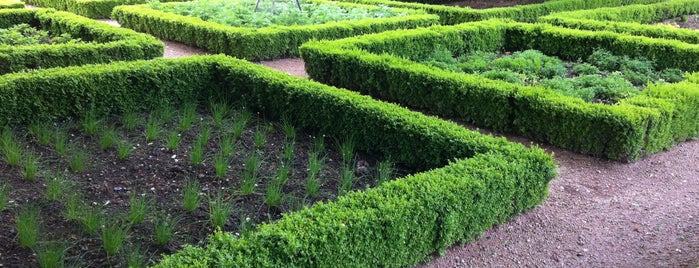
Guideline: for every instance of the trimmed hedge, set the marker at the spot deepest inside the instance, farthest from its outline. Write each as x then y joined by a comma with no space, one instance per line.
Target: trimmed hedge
256,43
449,15
107,43
11,4
629,20
396,224
626,131
94,9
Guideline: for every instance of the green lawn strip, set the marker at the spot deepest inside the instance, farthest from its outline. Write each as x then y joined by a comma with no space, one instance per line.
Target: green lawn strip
102,43
485,181
626,131
257,43
632,20
450,15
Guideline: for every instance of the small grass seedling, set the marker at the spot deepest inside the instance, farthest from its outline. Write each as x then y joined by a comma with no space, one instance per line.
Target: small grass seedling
51,254
196,156
259,138
226,143
60,142
30,166
282,175
89,123
56,188
219,112
188,116
124,150
164,228
11,150
219,210
91,219
41,133
240,123
221,165
7,137
74,207
138,208
135,257
152,130
273,196
129,120
78,160
289,131
114,232
289,147
108,138
204,135
28,227
250,173
316,163
172,142
346,180
4,195
190,191
384,172
347,147
164,113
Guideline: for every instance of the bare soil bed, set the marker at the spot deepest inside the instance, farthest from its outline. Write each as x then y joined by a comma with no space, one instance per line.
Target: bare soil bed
157,174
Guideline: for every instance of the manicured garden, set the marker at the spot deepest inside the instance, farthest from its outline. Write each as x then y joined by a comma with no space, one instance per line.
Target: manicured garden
112,157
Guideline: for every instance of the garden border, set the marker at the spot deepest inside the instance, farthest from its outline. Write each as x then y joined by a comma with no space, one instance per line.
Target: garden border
653,121
110,43
485,181
94,9
257,43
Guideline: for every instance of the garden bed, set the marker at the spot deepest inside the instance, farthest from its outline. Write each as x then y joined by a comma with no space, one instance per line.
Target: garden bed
11,4
98,43
485,180
379,65
252,42
94,9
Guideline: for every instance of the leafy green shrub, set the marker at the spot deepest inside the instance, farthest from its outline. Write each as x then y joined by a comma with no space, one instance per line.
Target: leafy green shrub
531,62
585,69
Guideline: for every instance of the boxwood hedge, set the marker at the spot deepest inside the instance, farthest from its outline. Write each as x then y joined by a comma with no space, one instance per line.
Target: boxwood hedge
256,43
104,43
11,4
634,20
377,65
469,181
95,9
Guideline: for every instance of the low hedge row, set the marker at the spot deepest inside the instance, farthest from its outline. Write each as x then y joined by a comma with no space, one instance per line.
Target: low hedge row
377,65
256,43
450,15
95,9
105,43
486,180
11,4
632,20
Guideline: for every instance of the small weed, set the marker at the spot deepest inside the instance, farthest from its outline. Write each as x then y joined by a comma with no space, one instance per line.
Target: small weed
191,195
164,228
78,160
221,165
89,123
384,172
28,226
134,257
273,196
289,130
346,180
7,137
41,132
189,116
282,175
172,142
130,120
108,138
138,208
153,129
250,174
197,154
316,164
226,143
241,121
164,113
4,196
51,254
124,150
30,166
114,232
74,207
289,148
219,210
12,152
204,135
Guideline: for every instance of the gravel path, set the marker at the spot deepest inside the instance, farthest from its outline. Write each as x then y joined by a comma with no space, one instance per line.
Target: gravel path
599,213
